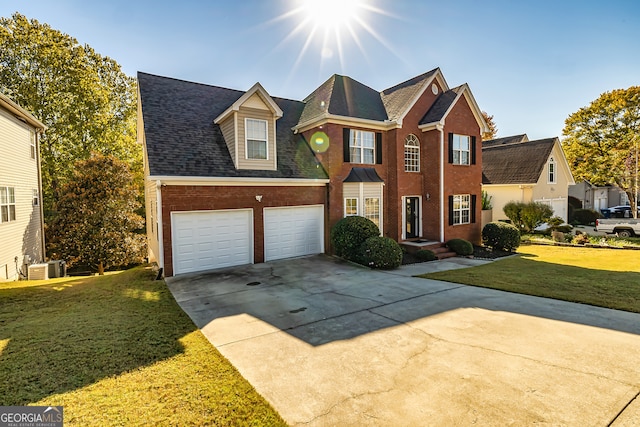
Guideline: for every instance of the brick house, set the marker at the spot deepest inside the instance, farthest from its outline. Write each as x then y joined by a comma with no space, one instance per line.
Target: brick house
237,177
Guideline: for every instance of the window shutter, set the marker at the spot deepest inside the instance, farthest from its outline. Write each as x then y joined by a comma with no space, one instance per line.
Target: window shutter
378,148
346,133
473,208
450,209
473,151
450,148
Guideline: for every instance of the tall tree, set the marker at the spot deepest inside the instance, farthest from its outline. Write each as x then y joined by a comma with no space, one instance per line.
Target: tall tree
602,140
493,129
86,101
96,225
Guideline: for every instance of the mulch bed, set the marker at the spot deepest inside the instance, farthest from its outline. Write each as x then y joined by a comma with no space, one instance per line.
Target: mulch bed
478,252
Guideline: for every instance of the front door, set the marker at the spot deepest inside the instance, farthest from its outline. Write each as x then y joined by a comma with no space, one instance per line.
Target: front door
412,217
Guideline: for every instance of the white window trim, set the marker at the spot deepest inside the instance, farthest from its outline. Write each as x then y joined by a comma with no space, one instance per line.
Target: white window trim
404,215
246,139
408,144
8,204
357,206
364,209
361,148
461,210
361,205
552,176
36,198
460,151
32,147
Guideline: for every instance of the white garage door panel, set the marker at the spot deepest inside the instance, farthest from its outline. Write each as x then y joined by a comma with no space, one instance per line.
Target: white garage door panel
211,239
293,231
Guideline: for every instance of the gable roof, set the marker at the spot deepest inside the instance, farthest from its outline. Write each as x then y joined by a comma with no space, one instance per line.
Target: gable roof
516,163
182,139
256,88
444,104
21,113
515,139
399,99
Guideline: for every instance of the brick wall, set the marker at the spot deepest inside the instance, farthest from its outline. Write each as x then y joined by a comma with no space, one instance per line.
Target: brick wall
192,198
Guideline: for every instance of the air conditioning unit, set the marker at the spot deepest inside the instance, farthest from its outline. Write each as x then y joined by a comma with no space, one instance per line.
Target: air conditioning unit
57,268
38,272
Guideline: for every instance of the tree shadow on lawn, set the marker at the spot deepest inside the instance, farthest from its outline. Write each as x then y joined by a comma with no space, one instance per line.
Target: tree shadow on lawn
61,337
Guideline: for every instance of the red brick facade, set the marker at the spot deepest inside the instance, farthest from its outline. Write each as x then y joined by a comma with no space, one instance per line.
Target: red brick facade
458,179
191,198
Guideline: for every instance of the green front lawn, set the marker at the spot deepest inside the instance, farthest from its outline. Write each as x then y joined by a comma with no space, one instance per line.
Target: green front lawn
117,350
602,277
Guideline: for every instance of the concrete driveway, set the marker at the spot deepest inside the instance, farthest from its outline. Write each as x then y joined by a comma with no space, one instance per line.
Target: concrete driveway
329,343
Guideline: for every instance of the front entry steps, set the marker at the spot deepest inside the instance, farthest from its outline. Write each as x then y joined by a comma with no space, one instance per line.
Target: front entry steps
438,248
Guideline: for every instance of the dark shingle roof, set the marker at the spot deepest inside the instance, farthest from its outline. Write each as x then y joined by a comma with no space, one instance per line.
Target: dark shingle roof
515,139
440,107
344,96
363,175
396,99
182,140
517,163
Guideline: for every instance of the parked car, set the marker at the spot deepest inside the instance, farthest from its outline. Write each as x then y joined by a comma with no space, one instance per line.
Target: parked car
621,227
622,211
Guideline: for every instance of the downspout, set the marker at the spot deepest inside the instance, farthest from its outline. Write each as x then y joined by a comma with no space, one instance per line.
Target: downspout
160,227
440,128
43,251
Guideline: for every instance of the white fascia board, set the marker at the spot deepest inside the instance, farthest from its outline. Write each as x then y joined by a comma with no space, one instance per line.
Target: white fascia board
475,108
519,185
571,180
239,182
236,105
437,76
346,121
21,113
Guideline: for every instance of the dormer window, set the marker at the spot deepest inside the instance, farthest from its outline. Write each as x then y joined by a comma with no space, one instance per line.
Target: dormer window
256,135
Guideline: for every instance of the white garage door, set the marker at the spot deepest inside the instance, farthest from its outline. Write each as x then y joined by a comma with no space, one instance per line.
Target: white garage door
204,240
293,231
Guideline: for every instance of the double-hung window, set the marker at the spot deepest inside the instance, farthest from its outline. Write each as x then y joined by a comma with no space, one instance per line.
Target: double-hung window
256,135
7,204
32,135
350,206
372,209
461,149
362,146
461,209
411,154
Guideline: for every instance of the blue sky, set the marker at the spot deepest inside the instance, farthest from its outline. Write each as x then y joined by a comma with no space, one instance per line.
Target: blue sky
529,64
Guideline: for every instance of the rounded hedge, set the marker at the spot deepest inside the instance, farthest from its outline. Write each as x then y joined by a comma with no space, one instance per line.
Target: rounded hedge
460,246
501,236
349,233
426,255
380,252
586,216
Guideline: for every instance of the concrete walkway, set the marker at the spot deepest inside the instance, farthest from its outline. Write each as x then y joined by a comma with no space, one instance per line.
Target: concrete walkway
329,343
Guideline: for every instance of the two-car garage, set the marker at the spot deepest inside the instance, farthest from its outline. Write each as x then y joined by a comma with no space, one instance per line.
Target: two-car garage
205,240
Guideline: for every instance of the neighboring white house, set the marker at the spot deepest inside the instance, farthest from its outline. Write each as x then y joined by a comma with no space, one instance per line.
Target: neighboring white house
21,216
598,198
516,169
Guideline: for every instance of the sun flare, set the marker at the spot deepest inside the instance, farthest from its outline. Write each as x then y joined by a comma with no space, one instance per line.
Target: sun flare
330,27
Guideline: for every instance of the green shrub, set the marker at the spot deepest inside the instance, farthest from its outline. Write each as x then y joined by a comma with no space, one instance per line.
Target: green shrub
349,233
460,246
501,236
380,252
527,216
426,255
586,216
486,201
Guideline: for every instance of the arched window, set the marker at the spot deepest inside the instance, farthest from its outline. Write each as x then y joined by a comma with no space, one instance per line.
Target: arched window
412,154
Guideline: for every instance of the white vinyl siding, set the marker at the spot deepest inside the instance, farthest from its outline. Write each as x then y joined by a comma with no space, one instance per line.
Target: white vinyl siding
22,236
244,161
228,128
366,197
362,147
